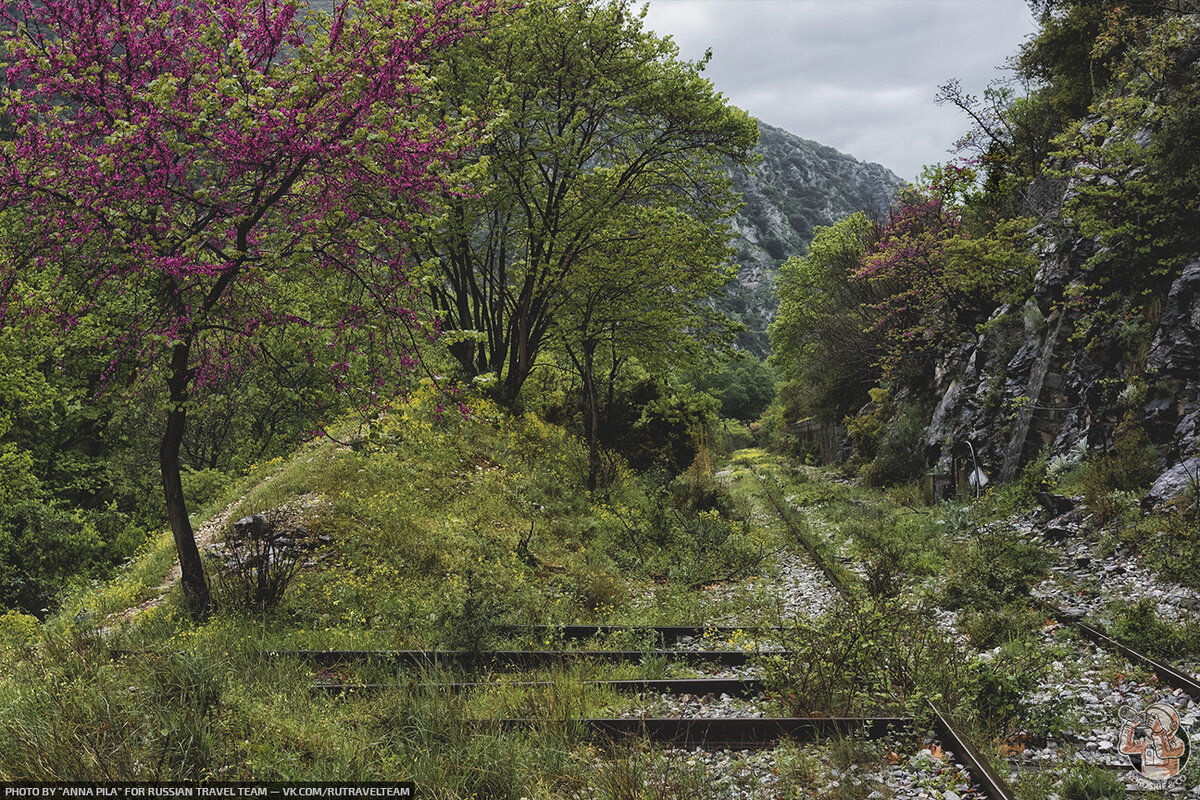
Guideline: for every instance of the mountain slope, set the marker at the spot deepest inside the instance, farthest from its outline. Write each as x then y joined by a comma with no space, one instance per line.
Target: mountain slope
798,186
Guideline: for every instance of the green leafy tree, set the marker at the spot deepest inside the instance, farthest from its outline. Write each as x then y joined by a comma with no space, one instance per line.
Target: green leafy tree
600,118
643,292
1133,163
821,339
742,384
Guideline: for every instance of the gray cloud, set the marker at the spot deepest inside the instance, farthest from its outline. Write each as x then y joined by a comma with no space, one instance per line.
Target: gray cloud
858,75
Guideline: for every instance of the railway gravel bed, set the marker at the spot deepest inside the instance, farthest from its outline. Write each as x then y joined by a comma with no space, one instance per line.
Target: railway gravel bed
1078,698
1091,578
1084,689
803,592
770,774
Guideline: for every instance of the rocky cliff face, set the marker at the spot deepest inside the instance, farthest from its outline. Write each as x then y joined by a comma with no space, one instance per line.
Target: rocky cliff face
798,186
1027,385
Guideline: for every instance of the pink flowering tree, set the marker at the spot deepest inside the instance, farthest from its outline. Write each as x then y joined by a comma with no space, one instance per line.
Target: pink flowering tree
908,263
941,267
196,176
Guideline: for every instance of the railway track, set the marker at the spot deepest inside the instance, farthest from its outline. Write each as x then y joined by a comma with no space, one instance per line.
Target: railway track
1162,671
1167,673
512,658
741,732
686,645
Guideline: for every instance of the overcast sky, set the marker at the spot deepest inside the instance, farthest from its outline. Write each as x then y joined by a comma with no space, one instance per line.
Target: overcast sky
857,75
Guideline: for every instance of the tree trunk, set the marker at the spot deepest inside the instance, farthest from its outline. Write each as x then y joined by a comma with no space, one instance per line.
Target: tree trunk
195,588
591,414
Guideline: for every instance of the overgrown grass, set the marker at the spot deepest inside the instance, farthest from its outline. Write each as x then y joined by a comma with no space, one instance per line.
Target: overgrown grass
436,533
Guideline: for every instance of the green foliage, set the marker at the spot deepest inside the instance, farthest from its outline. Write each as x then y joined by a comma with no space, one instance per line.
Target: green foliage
660,425
743,385
899,451
646,420
1131,466
995,627
1023,492
857,658
992,570
44,549
887,558
72,468
941,269
839,664
202,487
1089,782
819,342
1129,177
1060,56
868,426
1140,627
1174,549
604,174
996,690
18,632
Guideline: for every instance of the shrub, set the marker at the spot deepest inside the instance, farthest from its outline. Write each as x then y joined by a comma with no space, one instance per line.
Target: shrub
899,455
261,563
203,486
697,491
992,628
1140,627
867,427
1131,466
1175,551
887,556
42,548
992,571
18,631
474,620
858,657
995,691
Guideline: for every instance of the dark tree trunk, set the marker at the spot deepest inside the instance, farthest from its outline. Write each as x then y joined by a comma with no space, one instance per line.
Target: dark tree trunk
195,588
591,414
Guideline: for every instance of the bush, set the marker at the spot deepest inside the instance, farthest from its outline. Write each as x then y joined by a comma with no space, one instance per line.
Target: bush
993,571
899,455
696,491
1175,551
993,628
203,486
1139,627
887,555
1131,466
858,657
42,548
995,691
18,631
261,563
474,620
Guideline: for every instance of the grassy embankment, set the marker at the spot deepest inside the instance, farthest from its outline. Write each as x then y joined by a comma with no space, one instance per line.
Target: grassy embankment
433,532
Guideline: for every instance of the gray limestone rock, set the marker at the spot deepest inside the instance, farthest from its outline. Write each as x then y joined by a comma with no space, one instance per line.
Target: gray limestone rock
1175,481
